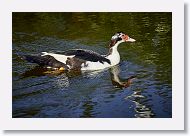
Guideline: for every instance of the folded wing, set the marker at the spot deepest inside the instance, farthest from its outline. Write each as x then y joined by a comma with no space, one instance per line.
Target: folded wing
86,55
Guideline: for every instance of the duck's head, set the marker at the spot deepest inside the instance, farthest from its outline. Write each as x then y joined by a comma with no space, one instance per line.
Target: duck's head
120,37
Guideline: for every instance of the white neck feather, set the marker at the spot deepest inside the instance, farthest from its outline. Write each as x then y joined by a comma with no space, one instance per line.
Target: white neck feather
114,56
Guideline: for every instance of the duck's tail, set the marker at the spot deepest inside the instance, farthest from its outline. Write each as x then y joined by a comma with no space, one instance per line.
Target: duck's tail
45,60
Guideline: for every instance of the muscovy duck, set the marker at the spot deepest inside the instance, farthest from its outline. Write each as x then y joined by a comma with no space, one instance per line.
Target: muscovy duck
80,59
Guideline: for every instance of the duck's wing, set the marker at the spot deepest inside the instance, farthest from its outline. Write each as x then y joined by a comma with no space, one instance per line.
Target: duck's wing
86,55
46,60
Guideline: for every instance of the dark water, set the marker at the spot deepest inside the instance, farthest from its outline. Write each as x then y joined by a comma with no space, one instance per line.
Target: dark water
41,93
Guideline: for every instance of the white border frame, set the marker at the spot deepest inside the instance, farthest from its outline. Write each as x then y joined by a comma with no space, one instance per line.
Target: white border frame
174,6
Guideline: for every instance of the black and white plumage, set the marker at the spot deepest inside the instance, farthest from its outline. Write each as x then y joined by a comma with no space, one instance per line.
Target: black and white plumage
87,55
82,59
45,61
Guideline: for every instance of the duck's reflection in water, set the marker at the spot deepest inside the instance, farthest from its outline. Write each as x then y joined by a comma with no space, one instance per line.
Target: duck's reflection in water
142,111
61,79
63,76
117,81
40,71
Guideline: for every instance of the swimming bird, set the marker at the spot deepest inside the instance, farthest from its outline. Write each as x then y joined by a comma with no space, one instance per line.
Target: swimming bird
81,59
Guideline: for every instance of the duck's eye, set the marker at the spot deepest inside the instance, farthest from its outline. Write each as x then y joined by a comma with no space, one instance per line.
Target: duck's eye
122,35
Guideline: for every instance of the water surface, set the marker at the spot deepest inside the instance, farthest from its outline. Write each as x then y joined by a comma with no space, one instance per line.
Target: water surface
48,94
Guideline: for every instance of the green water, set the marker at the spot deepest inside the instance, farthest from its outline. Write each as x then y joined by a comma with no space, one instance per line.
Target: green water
93,94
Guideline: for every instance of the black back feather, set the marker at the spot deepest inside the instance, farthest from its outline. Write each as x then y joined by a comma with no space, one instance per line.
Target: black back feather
87,55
